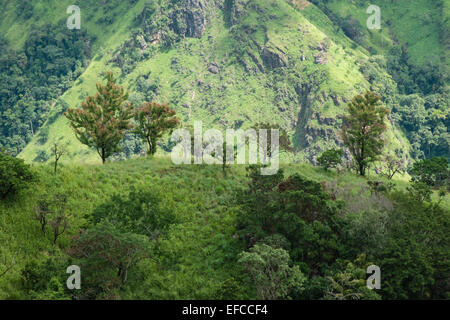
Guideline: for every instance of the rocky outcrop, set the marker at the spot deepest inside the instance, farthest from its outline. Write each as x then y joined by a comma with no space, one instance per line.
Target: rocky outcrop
191,18
237,10
213,68
273,58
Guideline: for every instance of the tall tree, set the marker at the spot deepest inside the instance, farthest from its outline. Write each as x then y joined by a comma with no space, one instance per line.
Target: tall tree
363,128
153,120
103,118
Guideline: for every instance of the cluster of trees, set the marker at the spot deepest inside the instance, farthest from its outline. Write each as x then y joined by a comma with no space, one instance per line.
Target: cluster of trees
119,234
362,134
104,119
302,244
32,78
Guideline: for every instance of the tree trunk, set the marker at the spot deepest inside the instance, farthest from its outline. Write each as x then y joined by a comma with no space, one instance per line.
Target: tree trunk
103,156
362,169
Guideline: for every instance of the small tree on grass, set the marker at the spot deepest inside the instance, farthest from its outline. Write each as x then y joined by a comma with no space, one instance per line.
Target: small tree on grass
106,255
393,165
52,210
103,118
330,158
58,150
363,128
152,121
60,221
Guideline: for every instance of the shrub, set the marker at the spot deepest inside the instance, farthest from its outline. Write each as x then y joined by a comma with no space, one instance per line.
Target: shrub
46,279
15,175
106,256
434,172
330,158
271,273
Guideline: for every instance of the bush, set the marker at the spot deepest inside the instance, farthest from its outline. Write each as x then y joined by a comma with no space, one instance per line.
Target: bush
142,212
271,274
330,158
434,172
15,175
46,279
106,255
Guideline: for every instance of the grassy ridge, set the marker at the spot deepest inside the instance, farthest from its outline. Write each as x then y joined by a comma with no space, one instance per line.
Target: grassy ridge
416,24
201,244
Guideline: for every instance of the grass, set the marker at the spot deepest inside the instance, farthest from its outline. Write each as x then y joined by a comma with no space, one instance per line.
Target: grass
413,23
200,195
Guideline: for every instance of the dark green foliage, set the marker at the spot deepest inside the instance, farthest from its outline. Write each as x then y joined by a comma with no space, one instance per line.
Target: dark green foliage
433,172
53,57
426,123
330,158
107,256
380,187
230,289
141,212
46,279
363,128
415,260
353,29
295,208
426,79
15,175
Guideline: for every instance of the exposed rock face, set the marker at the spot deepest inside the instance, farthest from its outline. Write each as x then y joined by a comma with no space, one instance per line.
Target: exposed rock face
213,68
142,42
190,20
237,10
273,58
321,58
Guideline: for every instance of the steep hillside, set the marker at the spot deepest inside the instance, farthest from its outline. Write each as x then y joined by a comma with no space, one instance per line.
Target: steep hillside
228,63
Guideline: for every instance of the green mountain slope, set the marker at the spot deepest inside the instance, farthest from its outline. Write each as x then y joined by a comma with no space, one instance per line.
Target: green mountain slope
232,63
237,63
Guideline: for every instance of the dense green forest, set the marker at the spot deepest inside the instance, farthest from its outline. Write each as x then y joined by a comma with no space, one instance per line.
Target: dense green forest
87,179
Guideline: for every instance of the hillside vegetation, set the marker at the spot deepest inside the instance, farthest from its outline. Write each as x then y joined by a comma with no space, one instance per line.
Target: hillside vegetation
87,178
197,239
228,63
